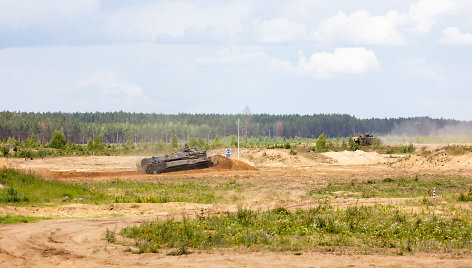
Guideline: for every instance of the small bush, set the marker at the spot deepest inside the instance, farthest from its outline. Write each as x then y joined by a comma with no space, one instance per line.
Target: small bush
27,154
464,197
287,145
407,149
5,150
110,236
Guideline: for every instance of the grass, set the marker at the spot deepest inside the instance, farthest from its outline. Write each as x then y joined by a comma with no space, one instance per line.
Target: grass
26,189
380,226
399,187
157,192
13,219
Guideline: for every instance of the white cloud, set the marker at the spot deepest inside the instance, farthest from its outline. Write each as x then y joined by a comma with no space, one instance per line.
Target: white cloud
357,60
174,19
279,31
423,14
361,27
113,85
323,65
452,35
17,15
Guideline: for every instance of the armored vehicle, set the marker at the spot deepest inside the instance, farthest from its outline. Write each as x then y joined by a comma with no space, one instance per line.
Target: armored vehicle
366,139
186,159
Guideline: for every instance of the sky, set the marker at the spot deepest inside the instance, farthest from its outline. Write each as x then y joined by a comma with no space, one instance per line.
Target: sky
367,58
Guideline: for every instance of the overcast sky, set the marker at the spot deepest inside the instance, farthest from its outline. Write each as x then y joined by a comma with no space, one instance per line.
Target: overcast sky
367,58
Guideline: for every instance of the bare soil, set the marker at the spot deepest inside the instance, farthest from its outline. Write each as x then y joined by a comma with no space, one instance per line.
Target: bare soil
279,179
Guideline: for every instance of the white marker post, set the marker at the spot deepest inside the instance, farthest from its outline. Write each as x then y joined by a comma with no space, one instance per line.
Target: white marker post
434,192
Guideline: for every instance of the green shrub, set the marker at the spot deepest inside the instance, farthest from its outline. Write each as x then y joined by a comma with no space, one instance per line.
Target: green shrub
321,143
5,150
27,154
407,149
464,197
110,236
58,140
353,146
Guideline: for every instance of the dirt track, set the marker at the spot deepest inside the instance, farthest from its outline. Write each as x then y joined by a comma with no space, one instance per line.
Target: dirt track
79,242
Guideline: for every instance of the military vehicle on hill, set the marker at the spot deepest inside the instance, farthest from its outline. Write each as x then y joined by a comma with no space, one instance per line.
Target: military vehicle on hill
184,160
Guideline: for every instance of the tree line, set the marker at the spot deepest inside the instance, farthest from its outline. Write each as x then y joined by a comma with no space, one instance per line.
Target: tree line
118,127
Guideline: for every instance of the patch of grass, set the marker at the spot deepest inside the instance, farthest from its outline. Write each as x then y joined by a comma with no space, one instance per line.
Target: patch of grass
380,226
13,219
457,149
156,192
416,186
21,188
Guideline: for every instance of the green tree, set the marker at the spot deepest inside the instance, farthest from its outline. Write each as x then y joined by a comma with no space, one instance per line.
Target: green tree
353,146
174,143
99,145
58,140
321,143
31,142
217,141
234,141
90,144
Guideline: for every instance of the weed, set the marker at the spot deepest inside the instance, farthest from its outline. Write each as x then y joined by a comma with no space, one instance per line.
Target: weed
110,236
180,251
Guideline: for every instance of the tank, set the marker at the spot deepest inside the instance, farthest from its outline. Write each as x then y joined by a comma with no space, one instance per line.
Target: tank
366,139
183,160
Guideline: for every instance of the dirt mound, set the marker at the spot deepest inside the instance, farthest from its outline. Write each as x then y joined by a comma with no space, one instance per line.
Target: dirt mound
358,157
222,162
276,158
439,159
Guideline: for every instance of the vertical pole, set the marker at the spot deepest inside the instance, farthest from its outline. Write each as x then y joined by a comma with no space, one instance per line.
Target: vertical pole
434,192
238,138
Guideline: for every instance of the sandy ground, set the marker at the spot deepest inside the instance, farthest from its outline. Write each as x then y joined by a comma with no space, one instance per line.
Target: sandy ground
76,240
